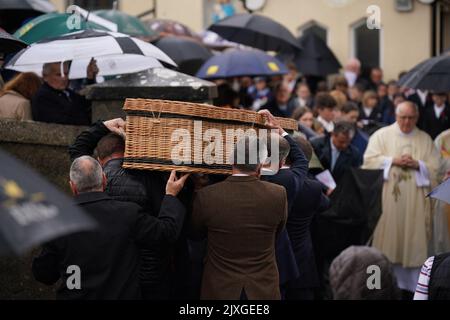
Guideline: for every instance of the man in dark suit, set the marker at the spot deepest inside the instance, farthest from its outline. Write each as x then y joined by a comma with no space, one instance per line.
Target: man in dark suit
423,100
107,258
146,189
241,217
335,151
307,203
436,119
56,103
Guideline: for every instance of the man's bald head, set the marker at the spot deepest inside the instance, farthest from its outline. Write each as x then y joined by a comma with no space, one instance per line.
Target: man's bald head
86,175
407,115
407,107
353,65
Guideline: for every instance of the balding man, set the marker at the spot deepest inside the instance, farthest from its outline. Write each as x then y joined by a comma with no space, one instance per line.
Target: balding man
56,103
107,259
410,162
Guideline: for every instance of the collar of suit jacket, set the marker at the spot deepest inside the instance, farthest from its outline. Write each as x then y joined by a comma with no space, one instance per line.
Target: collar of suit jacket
91,197
241,178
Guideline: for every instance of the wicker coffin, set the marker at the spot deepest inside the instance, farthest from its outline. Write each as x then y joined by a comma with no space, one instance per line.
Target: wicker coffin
153,124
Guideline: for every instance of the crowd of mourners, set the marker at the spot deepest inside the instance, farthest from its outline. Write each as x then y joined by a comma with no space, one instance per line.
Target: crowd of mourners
250,236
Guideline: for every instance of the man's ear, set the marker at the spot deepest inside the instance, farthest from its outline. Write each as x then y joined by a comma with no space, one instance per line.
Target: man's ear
100,161
73,187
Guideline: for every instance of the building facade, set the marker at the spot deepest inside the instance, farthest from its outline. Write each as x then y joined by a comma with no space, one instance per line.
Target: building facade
410,30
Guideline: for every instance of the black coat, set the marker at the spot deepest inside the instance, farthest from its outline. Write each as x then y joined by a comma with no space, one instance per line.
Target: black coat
434,126
108,257
54,106
147,189
308,202
422,107
349,158
292,180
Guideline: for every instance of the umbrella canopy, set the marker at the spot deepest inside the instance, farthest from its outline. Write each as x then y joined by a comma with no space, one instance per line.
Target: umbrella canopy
442,192
188,54
116,53
215,42
256,31
50,25
126,23
316,58
165,27
240,63
32,211
432,74
14,12
9,44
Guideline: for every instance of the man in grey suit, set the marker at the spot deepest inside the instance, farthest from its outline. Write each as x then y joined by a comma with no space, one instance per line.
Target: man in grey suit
241,217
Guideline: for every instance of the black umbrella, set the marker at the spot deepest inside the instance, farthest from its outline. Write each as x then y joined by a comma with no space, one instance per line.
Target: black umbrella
188,54
32,211
432,74
256,31
316,58
9,44
14,12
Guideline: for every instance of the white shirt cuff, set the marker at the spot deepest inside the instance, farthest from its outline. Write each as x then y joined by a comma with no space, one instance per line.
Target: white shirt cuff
386,166
285,134
422,175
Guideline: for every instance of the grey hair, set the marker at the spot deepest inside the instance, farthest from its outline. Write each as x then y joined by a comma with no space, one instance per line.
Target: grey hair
410,103
249,153
283,147
87,174
47,67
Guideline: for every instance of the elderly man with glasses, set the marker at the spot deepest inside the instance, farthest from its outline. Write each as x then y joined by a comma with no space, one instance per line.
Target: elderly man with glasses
410,162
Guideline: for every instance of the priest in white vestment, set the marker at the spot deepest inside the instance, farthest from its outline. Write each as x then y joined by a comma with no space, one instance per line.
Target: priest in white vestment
410,162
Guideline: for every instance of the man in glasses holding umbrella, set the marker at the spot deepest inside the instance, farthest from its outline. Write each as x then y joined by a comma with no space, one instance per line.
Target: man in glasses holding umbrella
56,103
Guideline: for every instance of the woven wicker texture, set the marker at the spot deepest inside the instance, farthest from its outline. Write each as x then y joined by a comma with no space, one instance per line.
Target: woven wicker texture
154,138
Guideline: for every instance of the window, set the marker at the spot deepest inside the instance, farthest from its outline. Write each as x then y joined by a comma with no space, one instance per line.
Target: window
366,44
93,4
314,27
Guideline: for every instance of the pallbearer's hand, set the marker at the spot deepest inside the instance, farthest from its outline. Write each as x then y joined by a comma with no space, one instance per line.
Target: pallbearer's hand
175,184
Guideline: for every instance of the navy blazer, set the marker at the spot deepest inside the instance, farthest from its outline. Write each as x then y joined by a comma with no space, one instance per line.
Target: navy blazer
292,180
310,201
349,158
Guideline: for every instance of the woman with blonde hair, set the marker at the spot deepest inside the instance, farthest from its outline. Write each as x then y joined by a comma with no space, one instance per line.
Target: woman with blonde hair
16,95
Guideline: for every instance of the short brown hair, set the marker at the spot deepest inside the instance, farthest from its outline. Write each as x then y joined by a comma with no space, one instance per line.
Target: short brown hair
325,101
300,112
27,84
110,144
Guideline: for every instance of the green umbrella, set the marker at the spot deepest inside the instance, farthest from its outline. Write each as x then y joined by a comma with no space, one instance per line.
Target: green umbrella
126,23
50,25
